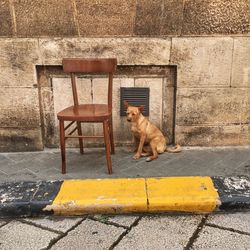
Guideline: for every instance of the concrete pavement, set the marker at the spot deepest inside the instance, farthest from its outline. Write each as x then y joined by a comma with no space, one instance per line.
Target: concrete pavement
217,231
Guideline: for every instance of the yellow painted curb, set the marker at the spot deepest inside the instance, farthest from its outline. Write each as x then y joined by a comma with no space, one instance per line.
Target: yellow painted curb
100,196
116,196
185,194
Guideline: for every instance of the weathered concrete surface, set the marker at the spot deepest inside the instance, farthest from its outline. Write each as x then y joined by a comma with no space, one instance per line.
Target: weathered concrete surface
202,61
237,221
161,228
119,18
241,63
5,19
202,135
105,18
213,238
30,237
128,51
44,18
213,106
20,108
90,235
18,58
20,139
216,17
57,224
160,233
158,17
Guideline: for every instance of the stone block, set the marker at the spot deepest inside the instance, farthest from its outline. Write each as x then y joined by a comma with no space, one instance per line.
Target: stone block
19,108
210,135
148,17
17,62
44,18
215,238
128,51
212,106
155,98
241,62
158,17
216,17
5,19
202,61
59,224
90,235
237,221
165,232
36,238
20,139
105,18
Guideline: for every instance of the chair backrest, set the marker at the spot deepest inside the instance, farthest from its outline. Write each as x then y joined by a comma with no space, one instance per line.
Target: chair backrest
90,65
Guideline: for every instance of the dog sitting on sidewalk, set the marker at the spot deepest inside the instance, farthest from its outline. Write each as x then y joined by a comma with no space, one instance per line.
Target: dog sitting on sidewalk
149,139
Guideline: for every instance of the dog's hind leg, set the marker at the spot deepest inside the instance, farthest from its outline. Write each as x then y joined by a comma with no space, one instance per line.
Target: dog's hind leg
153,146
146,151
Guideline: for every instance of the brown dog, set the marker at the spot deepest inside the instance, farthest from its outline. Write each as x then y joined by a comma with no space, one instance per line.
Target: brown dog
149,139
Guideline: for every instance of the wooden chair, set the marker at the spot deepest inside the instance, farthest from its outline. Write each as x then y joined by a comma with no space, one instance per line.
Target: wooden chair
80,113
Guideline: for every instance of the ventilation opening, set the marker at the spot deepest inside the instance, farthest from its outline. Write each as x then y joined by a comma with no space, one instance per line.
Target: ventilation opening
135,97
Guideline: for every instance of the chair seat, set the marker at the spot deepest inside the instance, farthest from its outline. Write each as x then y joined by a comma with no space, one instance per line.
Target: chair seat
85,112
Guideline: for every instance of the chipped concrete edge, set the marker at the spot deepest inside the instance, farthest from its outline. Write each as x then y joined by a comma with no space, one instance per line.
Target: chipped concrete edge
119,196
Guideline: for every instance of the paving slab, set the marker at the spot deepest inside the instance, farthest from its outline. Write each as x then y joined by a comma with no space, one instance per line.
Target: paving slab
214,238
46,165
236,221
90,235
125,221
165,232
19,236
60,224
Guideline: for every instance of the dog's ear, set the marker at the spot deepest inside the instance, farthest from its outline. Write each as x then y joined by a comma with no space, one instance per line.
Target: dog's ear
126,104
141,108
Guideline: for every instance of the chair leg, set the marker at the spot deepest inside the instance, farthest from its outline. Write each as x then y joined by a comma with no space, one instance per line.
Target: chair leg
79,128
111,136
62,143
107,145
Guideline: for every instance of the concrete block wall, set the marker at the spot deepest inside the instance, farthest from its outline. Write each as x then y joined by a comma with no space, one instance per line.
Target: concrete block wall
208,41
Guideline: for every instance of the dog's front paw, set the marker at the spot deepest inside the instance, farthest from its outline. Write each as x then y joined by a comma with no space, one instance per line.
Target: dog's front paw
136,156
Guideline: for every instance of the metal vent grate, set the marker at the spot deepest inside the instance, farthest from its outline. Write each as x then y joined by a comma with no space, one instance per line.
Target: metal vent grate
135,97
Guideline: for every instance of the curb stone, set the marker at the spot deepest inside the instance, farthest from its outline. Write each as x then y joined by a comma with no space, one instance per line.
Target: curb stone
195,194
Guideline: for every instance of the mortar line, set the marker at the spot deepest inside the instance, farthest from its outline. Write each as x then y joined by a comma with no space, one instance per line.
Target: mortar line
227,229
13,15
39,226
75,16
182,22
196,233
54,241
5,223
135,223
108,222
231,71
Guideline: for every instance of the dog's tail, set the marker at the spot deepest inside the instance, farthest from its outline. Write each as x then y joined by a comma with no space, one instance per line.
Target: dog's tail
174,149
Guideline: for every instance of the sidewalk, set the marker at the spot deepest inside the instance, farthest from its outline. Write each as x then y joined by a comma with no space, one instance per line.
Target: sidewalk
46,165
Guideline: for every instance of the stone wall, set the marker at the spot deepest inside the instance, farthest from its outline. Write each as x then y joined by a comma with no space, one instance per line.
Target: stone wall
208,41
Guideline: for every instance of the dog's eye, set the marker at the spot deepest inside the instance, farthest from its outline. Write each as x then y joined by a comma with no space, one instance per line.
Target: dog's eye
133,114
